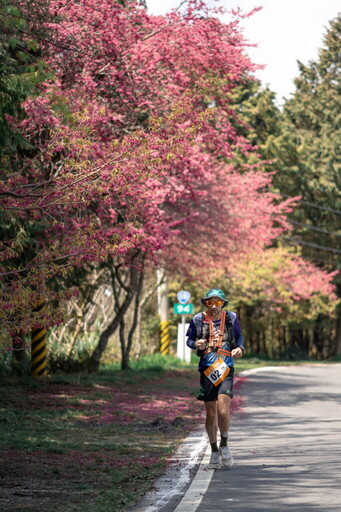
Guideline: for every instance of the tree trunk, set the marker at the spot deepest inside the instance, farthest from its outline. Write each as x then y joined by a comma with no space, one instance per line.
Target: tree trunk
143,301
73,341
108,332
314,351
124,348
127,344
20,359
121,307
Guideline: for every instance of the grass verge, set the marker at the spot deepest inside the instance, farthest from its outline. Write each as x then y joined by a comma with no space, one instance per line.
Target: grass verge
96,442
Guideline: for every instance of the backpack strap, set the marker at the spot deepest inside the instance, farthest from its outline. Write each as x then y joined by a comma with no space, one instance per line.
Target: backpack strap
230,330
228,323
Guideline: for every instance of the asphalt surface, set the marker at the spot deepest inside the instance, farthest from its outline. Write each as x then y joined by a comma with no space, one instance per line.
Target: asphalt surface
286,442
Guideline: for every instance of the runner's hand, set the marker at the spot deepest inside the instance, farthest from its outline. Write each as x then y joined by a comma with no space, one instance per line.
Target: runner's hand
237,352
200,344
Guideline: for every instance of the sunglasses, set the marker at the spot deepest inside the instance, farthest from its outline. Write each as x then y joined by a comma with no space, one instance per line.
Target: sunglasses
211,303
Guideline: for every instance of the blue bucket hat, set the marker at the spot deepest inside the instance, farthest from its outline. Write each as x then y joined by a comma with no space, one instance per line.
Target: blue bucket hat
214,292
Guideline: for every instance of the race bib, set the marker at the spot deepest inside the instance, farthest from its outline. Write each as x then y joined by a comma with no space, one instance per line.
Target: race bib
217,372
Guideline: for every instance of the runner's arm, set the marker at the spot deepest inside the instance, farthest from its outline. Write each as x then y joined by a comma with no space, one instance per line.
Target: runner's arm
191,335
238,337
239,341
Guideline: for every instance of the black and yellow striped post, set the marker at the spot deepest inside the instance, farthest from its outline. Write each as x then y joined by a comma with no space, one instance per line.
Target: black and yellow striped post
164,337
38,346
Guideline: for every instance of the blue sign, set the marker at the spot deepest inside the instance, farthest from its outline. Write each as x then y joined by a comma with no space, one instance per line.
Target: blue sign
183,296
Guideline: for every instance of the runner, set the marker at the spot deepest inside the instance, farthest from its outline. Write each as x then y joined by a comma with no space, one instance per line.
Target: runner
217,337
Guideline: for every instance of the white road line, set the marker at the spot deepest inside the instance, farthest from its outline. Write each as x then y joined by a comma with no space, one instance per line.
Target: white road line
245,373
178,475
194,495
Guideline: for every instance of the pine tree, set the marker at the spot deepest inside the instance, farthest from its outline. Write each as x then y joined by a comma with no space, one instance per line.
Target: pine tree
310,151
302,146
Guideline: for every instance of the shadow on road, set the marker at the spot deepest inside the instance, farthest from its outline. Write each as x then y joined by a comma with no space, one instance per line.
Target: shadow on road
286,444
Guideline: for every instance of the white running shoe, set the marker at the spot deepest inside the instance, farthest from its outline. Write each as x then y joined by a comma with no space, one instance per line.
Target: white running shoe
214,461
226,458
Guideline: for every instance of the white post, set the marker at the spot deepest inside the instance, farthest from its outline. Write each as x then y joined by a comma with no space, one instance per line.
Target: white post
183,352
183,319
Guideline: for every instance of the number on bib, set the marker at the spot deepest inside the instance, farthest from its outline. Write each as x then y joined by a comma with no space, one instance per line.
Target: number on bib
217,372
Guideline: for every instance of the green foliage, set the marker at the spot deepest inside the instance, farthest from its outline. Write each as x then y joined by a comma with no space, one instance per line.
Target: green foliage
150,329
5,364
301,145
309,151
158,362
20,72
260,121
70,349
71,422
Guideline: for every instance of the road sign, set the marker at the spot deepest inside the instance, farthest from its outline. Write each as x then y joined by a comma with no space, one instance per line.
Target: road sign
183,309
183,296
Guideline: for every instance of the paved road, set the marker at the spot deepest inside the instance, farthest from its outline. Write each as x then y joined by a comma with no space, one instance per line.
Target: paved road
286,441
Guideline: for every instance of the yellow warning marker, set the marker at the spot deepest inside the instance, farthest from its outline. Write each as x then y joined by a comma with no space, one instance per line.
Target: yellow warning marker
38,347
164,338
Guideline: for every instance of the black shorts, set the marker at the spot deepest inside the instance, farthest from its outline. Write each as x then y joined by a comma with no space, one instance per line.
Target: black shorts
209,392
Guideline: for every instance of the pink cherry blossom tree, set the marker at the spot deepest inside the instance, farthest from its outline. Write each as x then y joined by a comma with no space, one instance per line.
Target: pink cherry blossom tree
135,140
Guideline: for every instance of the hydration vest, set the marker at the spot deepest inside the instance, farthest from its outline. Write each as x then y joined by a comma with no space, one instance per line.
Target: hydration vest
203,331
